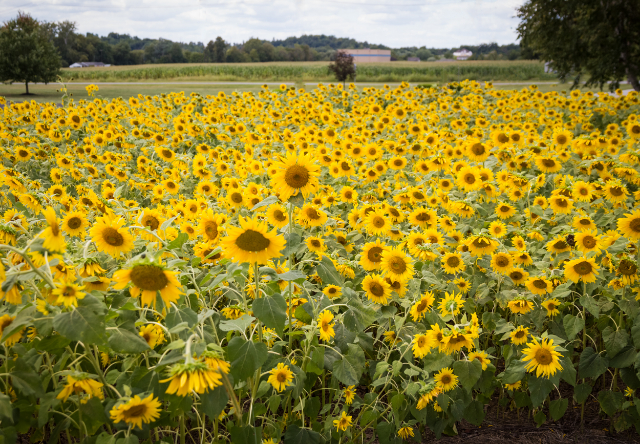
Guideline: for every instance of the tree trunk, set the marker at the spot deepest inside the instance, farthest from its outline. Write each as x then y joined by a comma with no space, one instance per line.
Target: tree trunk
633,79
27,85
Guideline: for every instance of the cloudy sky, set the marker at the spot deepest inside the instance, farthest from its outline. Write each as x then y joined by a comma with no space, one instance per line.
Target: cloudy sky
395,23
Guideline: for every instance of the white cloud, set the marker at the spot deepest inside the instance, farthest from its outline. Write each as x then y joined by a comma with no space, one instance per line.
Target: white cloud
395,23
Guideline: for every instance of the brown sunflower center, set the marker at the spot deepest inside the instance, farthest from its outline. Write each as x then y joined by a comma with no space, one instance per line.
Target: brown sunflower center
589,242
211,229
634,225
520,334
137,411
279,216
397,265
376,289
627,268
456,339
296,176
583,268
549,163
561,139
374,254
167,153
560,245
502,261
112,237
151,222
422,306
149,277
478,149
236,197
543,356
315,243
539,283
445,379
616,191
252,240
74,223
281,377
312,214
469,178
422,341
515,275
551,306
453,261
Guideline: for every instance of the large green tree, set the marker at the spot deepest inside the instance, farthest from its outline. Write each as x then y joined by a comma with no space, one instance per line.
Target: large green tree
26,53
593,40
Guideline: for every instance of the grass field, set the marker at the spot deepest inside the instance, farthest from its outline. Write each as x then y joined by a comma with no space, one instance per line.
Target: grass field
50,93
317,71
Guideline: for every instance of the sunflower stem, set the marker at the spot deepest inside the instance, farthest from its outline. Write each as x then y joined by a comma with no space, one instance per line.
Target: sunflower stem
182,430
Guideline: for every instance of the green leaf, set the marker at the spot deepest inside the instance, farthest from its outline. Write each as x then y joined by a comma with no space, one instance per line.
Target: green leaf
562,291
539,388
624,358
6,411
272,311
124,341
178,242
214,401
349,368
246,357
436,361
328,273
246,434
293,242
93,415
610,401
81,324
176,317
474,412
590,304
263,203
358,317
298,435
292,275
614,340
25,379
239,324
540,418
557,408
468,372
581,392
572,326
592,364
514,373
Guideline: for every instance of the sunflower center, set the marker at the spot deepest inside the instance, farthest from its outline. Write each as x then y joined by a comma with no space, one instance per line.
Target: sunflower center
136,411
167,153
376,289
446,379
635,225
397,265
112,237
516,275
149,277
478,149
616,191
236,197
560,245
74,223
374,254
543,357
252,240
551,306
453,261
315,243
589,242
312,214
469,178
456,339
296,176
211,229
422,341
520,334
281,377
502,261
583,268
151,222
539,283
549,163
480,242
422,306
562,203
279,216
378,222
627,268
561,139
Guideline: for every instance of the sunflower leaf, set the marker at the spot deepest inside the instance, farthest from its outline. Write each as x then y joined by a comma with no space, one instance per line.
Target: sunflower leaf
268,201
468,372
328,273
82,324
592,364
272,311
572,326
246,357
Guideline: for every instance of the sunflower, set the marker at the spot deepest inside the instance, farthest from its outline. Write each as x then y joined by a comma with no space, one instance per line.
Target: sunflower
582,191
428,394
295,174
349,394
192,377
81,384
558,245
421,345
539,285
450,304
560,204
280,377
629,226
505,211
551,305
456,340
343,422
502,263
311,216
136,411
326,331
542,357
587,241
628,270
519,335
481,245
583,223
147,278
581,269
332,291
53,237
67,293
75,223
518,275
519,243
521,306
420,308
316,245
452,263
277,216
377,289
152,334
110,237
423,217
11,295
482,357
497,229
396,264
446,380
251,242
5,322
615,191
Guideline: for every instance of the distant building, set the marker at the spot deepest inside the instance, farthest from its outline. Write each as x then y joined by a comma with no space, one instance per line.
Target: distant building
88,65
413,59
463,54
369,55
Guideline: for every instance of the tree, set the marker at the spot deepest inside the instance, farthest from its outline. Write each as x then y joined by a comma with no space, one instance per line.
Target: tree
209,54
596,39
343,67
26,53
219,49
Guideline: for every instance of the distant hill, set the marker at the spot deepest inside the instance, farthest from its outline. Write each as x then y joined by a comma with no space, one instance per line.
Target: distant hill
325,41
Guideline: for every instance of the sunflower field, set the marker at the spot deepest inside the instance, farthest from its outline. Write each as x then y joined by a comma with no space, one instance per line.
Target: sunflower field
339,265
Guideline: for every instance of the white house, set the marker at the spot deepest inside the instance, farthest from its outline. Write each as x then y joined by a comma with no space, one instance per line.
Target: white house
463,54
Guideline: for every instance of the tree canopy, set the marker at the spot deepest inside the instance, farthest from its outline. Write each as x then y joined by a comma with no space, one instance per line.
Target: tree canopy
26,53
592,40
343,67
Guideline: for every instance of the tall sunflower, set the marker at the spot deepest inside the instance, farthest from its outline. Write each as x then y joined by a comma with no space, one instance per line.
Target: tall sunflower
629,226
371,257
396,264
189,377
136,411
280,377
376,288
452,263
251,242
420,308
75,223
446,380
53,237
581,269
543,358
326,331
147,278
295,174
110,236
